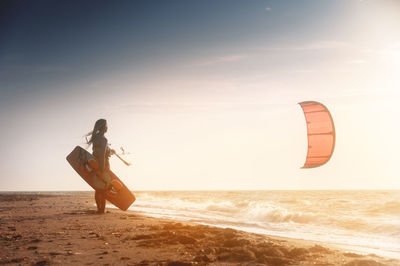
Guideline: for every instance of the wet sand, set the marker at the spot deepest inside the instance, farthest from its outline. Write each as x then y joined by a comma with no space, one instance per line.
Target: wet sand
63,229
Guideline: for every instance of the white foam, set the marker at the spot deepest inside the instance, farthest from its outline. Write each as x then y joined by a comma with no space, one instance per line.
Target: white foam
342,218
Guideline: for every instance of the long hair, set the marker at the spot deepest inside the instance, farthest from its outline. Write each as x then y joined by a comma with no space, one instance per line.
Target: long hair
99,128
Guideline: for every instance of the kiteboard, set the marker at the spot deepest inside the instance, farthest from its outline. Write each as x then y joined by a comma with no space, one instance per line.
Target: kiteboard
84,164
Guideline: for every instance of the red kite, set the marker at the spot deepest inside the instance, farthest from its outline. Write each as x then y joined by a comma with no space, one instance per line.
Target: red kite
320,134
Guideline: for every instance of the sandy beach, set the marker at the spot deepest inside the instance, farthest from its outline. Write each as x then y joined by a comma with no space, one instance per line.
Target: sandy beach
63,229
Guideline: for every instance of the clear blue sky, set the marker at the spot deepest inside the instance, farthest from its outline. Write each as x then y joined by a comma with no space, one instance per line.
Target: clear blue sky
203,93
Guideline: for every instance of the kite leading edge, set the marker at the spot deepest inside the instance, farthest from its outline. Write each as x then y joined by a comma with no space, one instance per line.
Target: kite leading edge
321,134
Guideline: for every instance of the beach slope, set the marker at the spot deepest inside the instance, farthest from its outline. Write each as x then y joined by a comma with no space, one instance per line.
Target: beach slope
63,228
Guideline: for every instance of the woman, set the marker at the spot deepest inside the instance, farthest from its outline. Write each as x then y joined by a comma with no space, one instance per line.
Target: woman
102,153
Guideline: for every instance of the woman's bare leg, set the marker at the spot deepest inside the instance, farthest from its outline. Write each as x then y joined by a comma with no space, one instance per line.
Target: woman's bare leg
100,201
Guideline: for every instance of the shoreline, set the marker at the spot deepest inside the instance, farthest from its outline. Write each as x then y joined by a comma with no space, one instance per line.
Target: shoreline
45,228
363,251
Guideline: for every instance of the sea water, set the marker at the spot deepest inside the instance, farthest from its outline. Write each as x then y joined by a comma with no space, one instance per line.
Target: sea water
363,221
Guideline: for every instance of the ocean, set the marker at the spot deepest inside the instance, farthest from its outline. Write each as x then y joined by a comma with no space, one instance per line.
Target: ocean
361,221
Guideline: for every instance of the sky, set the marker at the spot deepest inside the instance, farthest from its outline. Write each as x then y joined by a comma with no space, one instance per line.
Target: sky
203,94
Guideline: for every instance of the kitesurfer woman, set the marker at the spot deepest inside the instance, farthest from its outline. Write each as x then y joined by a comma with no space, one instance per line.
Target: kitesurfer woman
102,153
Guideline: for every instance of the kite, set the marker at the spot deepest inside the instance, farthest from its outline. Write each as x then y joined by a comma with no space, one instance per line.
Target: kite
321,134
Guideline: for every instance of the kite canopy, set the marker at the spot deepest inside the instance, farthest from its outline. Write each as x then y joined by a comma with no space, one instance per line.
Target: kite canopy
320,134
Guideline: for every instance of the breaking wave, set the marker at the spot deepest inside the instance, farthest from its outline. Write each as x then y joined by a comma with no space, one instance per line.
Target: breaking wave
371,218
